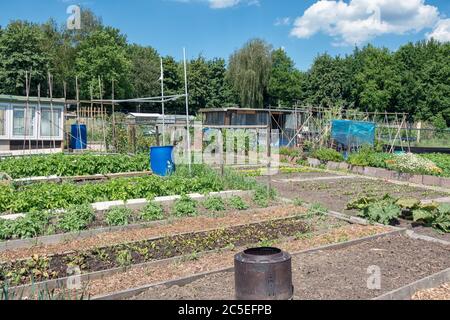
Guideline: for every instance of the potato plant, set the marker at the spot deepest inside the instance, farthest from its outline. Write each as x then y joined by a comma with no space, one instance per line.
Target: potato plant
72,165
118,216
45,196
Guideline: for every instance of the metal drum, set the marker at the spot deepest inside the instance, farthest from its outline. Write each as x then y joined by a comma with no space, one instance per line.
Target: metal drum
263,274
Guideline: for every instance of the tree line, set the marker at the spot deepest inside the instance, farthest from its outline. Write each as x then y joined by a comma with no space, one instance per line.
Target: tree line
414,79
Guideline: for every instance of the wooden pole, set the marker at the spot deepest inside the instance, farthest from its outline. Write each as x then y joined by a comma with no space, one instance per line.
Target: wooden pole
102,113
113,119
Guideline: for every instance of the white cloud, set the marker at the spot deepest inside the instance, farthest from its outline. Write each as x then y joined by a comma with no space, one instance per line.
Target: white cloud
282,21
441,31
357,21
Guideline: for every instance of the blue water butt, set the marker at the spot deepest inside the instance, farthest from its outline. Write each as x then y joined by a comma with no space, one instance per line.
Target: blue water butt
78,137
161,159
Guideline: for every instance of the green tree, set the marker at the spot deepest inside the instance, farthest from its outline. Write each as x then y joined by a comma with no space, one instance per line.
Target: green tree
21,50
145,71
220,93
376,81
198,79
103,54
249,73
285,84
329,82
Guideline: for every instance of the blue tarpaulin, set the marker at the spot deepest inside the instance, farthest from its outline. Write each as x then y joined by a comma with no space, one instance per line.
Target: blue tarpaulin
353,133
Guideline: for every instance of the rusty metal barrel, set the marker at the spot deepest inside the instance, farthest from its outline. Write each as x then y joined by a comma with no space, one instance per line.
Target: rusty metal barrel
263,274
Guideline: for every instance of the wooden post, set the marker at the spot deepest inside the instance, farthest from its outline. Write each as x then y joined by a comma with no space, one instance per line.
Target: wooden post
269,154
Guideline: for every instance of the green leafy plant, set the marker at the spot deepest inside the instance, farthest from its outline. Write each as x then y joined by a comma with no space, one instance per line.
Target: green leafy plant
262,196
72,165
299,202
185,207
214,204
327,154
45,196
435,216
237,203
316,209
32,225
152,212
118,216
124,258
368,157
76,218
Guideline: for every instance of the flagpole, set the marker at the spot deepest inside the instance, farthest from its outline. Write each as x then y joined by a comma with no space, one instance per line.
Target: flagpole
163,104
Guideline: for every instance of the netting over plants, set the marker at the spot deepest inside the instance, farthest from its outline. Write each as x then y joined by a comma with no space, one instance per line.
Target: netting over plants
353,133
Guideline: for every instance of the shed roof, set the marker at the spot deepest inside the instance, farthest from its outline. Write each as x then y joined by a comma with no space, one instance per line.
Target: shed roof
236,109
22,99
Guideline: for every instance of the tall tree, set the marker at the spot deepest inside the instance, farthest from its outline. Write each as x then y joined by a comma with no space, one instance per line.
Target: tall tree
285,84
249,72
328,81
21,50
376,81
145,71
103,54
220,93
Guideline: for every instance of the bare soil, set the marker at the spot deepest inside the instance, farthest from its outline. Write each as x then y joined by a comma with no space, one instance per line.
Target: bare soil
334,274
336,194
440,293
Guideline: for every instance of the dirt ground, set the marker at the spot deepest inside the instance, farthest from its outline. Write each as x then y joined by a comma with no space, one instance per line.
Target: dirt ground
137,277
334,274
440,293
337,193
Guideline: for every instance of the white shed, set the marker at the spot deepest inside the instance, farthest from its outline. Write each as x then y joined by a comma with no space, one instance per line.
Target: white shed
31,124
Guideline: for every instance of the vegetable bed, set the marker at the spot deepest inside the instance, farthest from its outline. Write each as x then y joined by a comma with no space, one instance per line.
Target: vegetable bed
48,196
41,268
334,274
83,217
72,165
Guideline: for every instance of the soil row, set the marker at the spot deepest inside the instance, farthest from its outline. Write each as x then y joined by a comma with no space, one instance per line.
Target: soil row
138,277
165,228
41,268
340,273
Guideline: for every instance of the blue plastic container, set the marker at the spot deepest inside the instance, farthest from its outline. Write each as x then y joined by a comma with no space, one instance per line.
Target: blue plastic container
161,159
78,137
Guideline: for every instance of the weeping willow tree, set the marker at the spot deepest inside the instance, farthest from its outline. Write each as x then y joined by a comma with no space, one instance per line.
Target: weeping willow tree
249,72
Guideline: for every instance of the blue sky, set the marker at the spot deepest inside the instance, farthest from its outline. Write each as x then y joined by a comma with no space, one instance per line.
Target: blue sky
215,28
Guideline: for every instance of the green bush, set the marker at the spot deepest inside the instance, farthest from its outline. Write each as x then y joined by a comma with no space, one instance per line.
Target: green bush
152,212
214,204
327,154
185,207
76,218
368,157
290,152
237,203
440,160
118,216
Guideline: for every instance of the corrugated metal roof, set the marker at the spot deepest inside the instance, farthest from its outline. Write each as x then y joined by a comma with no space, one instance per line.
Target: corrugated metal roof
244,110
22,99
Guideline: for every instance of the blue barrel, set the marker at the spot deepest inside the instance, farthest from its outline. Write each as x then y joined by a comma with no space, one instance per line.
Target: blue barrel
161,159
78,137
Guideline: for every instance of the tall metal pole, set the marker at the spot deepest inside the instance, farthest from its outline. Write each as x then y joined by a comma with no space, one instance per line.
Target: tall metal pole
187,110
163,104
